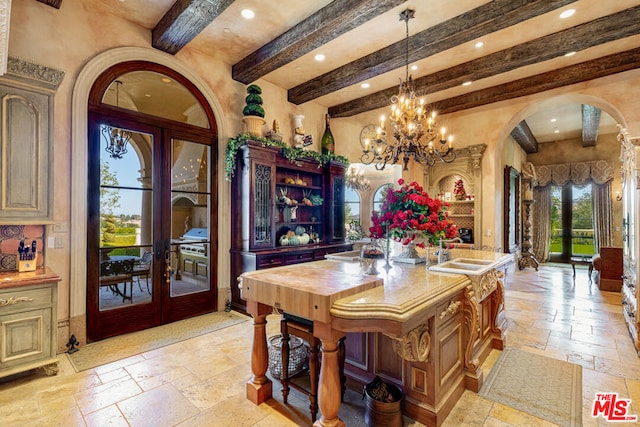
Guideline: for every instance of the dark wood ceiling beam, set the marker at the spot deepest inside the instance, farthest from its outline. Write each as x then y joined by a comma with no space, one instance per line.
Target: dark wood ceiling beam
52,3
602,30
488,18
183,21
585,71
524,137
590,124
335,19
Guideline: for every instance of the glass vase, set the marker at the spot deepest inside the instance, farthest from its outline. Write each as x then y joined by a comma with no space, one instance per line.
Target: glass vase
369,256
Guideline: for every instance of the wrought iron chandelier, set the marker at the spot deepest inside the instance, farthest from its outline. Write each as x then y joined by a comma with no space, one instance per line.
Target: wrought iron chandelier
117,139
356,180
413,125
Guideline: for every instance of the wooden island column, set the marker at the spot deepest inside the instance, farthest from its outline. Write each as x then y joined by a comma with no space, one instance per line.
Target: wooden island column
307,292
259,387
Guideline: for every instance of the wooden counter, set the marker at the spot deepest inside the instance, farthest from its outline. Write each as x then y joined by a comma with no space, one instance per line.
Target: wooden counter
28,321
424,330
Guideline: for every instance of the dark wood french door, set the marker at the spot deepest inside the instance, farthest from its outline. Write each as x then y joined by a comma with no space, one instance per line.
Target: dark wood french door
150,226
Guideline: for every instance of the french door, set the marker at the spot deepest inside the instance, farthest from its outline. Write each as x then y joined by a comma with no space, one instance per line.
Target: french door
572,233
150,227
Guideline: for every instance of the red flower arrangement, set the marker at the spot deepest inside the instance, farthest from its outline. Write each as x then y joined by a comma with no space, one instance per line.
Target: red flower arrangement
409,213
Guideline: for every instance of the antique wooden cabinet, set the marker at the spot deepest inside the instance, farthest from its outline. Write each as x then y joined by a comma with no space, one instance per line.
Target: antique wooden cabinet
28,322
630,156
273,197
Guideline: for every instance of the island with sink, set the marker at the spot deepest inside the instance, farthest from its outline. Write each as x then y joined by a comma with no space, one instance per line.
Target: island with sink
425,329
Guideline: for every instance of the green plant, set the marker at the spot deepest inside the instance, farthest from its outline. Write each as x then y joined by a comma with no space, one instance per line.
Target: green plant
290,153
254,102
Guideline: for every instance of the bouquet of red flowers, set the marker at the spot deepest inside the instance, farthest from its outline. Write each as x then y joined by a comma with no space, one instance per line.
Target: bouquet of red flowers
409,213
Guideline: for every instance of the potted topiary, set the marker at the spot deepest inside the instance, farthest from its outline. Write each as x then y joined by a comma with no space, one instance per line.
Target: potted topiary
253,112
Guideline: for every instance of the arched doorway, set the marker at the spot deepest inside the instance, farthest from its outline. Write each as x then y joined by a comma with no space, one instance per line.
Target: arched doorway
151,206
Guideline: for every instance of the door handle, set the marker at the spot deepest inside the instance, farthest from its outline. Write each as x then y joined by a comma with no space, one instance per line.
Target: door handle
167,268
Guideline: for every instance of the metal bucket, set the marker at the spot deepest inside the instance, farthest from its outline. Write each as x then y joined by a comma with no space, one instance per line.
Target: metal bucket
386,412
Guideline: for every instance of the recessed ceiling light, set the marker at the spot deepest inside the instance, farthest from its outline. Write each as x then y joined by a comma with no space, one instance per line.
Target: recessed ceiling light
573,52
166,80
365,85
556,131
319,57
247,14
148,95
553,120
414,67
467,83
479,44
567,13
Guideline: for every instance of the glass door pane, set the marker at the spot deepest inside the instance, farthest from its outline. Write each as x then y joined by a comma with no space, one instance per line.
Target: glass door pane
125,218
556,221
190,213
582,242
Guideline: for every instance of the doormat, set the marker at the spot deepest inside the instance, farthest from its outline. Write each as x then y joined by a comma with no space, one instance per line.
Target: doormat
546,388
111,349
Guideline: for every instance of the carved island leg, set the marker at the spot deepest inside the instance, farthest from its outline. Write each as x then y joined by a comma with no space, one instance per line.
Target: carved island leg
329,395
473,372
259,387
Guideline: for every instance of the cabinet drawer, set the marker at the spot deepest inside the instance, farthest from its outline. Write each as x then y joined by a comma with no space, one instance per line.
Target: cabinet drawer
16,299
298,257
268,261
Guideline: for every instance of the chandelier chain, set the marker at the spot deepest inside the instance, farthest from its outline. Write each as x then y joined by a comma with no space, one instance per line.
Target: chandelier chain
414,131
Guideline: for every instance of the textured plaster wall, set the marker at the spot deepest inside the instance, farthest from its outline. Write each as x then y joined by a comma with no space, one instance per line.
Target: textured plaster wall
68,38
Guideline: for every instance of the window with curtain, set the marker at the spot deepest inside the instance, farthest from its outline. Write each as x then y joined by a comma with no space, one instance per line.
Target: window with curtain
556,204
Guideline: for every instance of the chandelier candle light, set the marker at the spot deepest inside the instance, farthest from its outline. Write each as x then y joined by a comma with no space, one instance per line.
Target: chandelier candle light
414,127
356,180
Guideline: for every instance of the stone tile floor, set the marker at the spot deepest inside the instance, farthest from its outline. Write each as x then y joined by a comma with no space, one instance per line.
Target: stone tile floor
201,382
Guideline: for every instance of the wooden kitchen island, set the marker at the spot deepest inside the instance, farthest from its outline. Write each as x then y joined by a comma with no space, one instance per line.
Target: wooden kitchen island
426,331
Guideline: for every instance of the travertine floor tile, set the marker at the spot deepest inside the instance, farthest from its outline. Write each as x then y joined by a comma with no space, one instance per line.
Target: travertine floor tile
201,382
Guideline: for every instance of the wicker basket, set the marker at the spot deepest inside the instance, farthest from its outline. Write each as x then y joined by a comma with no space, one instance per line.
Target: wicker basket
298,355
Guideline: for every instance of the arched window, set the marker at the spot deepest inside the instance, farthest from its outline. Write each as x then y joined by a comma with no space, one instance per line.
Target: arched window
352,213
378,196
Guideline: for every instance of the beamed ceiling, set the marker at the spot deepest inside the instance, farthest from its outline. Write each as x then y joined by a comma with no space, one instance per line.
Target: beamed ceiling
524,52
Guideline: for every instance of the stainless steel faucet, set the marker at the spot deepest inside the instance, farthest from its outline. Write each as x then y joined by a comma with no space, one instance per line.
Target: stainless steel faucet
442,250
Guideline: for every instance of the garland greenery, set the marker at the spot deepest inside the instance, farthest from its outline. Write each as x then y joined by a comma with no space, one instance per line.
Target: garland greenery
290,153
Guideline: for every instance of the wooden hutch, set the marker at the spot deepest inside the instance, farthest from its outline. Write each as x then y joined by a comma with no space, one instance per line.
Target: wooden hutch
262,211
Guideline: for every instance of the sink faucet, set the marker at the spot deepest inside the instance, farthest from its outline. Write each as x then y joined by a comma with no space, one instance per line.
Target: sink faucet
442,250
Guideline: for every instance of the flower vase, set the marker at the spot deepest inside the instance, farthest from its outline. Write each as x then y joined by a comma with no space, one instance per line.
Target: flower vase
409,255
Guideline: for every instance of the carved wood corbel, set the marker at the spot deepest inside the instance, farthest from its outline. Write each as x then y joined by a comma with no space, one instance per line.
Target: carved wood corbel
472,322
498,304
414,346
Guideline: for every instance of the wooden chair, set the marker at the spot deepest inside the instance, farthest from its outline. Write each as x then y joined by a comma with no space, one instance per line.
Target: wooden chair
303,329
143,268
112,273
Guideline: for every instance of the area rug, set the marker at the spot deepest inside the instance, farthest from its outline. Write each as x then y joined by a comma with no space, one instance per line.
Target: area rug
541,386
106,351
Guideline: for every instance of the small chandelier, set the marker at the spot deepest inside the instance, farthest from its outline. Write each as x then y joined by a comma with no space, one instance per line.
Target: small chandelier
356,180
414,127
117,138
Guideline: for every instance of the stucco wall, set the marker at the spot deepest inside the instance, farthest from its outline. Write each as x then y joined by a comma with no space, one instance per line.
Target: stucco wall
69,38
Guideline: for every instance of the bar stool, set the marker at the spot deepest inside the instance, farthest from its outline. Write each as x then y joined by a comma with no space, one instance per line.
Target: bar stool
303,329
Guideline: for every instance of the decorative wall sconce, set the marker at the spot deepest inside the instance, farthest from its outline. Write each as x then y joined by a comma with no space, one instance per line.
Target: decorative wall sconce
618,196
